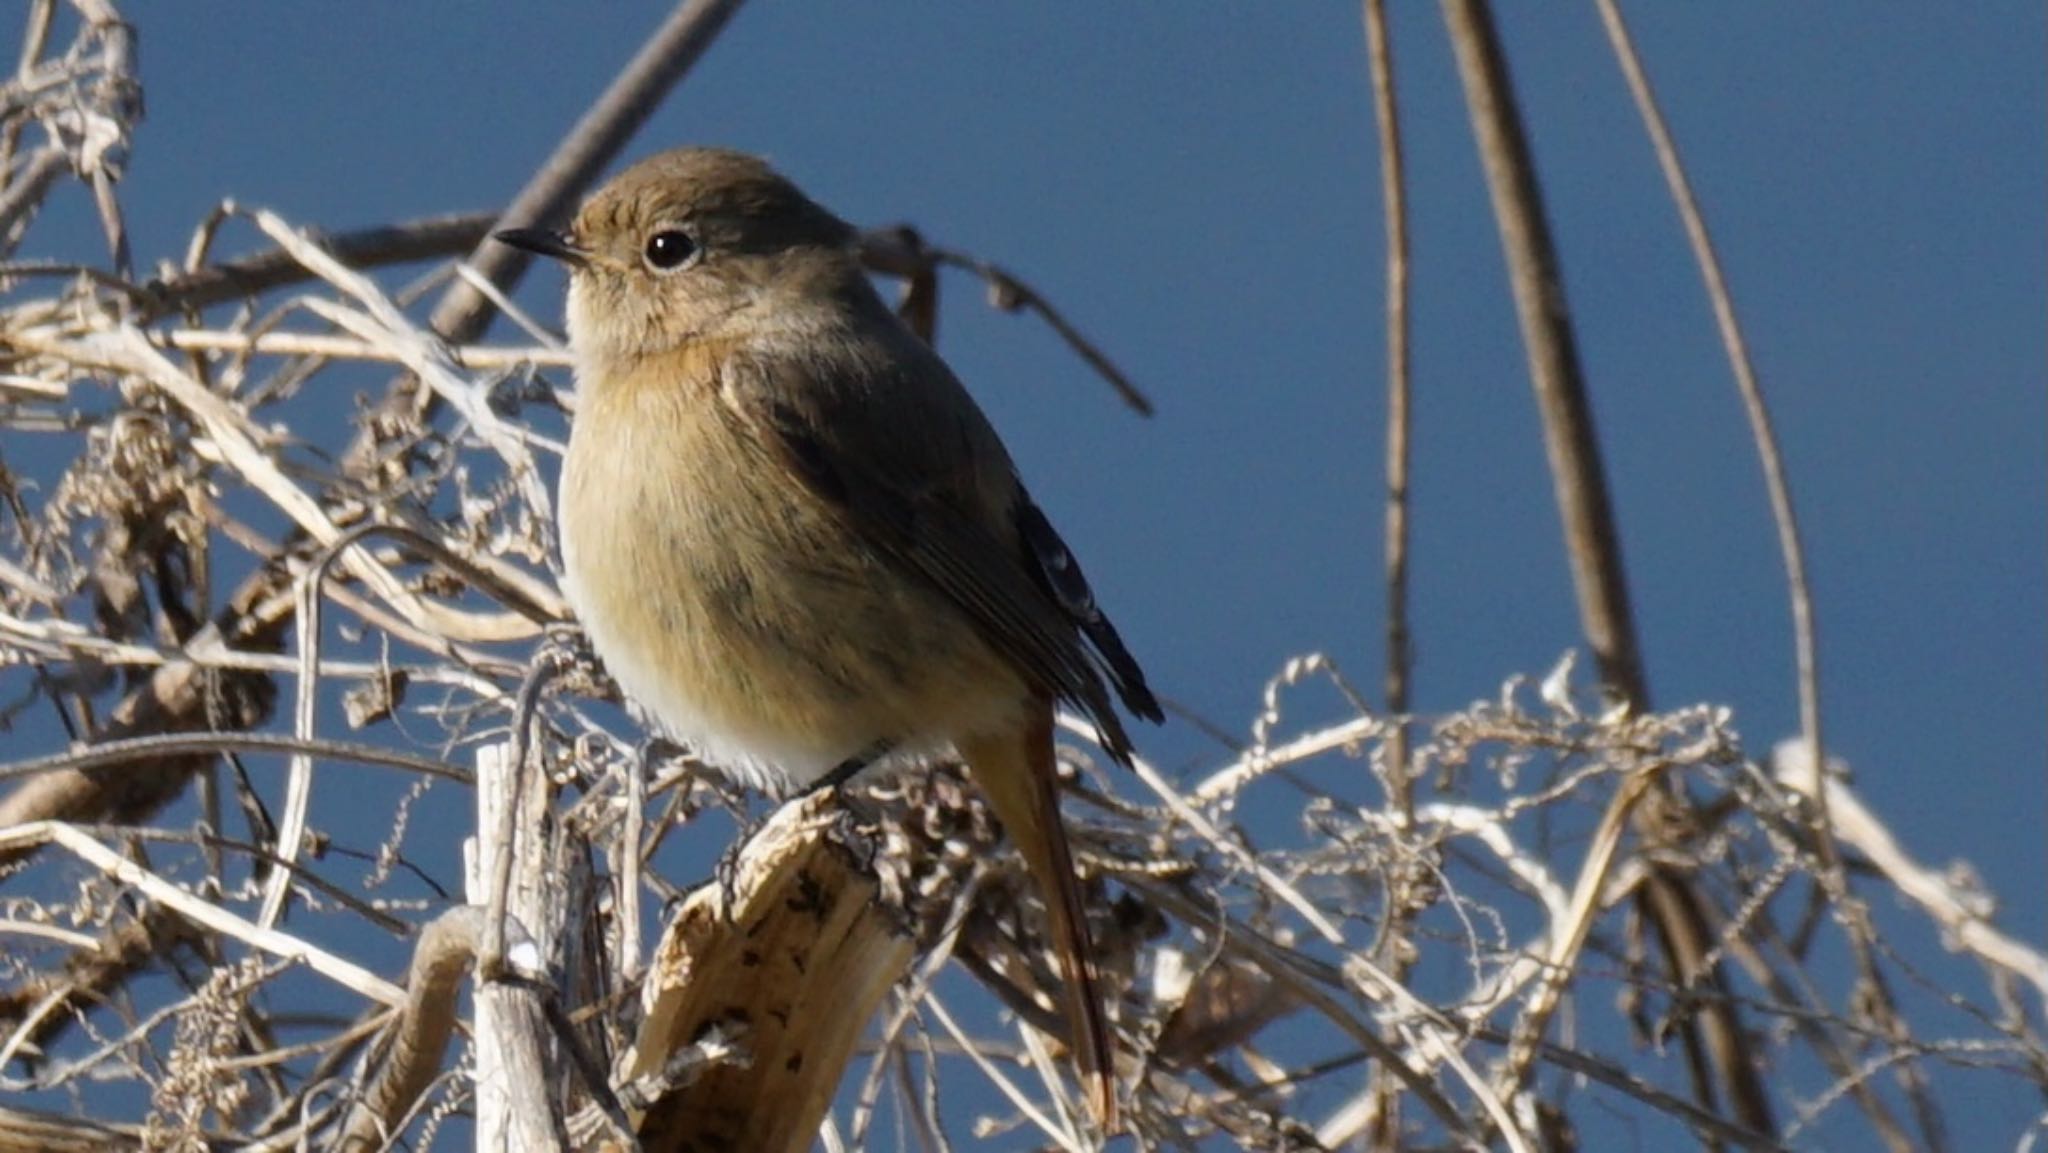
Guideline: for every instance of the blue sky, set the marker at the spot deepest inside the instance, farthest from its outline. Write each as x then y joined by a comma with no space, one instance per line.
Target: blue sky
1195,185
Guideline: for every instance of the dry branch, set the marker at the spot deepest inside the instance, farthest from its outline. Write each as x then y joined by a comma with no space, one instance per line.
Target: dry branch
26,1131
788,959
521,1103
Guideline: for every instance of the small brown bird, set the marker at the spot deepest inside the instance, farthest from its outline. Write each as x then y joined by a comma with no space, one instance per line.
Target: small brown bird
795,539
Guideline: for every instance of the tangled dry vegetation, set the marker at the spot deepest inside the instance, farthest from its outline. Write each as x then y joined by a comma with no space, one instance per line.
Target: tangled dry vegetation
276,568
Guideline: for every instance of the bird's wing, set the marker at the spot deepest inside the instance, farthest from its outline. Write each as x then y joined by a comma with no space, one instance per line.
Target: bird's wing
932,488
1058,573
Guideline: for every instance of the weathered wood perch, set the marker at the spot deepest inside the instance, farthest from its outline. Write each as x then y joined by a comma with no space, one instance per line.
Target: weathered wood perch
789,956
785,955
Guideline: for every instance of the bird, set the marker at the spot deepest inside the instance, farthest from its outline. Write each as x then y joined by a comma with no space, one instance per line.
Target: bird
798,543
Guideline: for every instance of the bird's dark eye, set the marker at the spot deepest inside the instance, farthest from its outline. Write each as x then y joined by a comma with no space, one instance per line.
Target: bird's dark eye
669,249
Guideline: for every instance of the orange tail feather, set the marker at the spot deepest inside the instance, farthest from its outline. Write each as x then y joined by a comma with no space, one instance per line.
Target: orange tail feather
1017,775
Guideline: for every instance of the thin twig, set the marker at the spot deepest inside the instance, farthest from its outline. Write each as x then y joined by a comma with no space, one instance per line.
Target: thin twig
474,357
1399,783
1591,538
1009,294
1777,482
429,238
634,95
201,911
108,754
1394,212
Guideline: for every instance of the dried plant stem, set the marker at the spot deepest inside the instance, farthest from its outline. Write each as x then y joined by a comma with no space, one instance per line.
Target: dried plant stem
112,753
1561,960
604,129
1394,212
1961,914
24,1131
1591,538
1385,1112
410,1058
1777,484
473,357
1805,640
518,1092
434,237
201,911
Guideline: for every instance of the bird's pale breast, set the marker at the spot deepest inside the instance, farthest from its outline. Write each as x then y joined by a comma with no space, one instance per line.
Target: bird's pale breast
742,612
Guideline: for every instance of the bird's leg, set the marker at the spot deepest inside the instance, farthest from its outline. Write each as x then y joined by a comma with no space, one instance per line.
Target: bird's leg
652,749
727,870
845,770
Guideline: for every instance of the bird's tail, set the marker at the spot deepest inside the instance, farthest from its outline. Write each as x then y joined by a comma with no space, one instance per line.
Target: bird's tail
1017,774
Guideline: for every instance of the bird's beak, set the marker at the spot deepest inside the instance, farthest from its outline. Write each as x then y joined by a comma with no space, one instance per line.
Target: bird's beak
544,242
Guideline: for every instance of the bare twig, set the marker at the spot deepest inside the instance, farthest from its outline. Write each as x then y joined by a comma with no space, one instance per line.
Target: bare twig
410,1057
519,1097
1399,783
473,357
667,56
1393,194
900,250
430,238
1805,641
27,1131
1010,294
1963,914
1591,539
321,961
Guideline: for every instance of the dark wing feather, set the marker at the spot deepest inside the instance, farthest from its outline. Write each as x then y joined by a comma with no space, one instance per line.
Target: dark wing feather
1059,573
934,491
